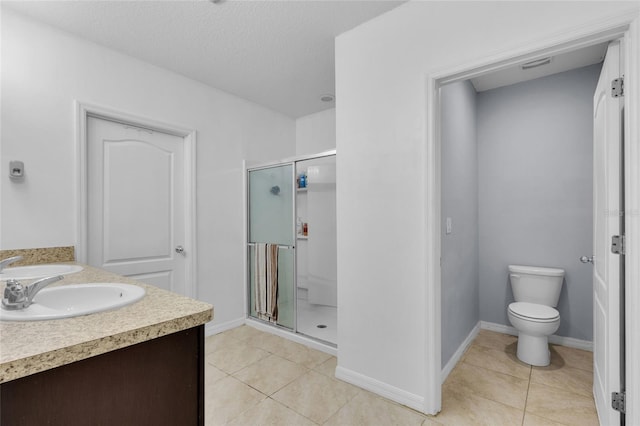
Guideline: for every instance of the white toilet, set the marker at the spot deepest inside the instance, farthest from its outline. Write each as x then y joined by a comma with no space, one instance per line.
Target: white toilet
536,291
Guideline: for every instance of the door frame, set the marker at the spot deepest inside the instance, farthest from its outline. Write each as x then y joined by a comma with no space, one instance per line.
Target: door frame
83,111
623,26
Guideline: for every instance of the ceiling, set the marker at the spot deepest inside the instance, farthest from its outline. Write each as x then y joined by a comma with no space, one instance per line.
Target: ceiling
571,60
279,54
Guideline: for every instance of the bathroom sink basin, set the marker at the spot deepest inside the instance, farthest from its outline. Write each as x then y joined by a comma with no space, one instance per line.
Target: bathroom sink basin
75,300
33,272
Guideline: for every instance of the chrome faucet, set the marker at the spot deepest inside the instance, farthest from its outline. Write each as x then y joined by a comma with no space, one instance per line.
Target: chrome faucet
8,261
17,296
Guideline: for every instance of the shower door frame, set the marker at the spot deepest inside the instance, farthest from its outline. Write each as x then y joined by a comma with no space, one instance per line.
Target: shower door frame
247,277
249,243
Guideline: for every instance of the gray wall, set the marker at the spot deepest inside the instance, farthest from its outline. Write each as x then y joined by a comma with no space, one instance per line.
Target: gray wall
535,190
460,311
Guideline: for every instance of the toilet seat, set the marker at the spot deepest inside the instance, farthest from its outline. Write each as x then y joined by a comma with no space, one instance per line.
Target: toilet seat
534,312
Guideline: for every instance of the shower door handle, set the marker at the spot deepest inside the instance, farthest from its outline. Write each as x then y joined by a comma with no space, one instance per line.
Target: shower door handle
180,250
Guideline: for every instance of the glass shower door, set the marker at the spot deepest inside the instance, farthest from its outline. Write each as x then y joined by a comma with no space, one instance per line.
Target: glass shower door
271,212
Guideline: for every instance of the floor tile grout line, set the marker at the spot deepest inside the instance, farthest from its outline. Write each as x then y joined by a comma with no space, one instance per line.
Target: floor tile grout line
526,399
277,390
563,389
477,395
491,369
465,357
494,371
297,412
334,414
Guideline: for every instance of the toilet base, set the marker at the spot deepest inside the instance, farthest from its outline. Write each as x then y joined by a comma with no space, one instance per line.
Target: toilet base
533,350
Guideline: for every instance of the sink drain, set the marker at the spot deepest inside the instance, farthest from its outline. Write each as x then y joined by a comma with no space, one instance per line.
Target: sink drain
321,326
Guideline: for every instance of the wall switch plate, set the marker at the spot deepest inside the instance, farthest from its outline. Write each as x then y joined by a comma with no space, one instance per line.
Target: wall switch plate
16,169
448,226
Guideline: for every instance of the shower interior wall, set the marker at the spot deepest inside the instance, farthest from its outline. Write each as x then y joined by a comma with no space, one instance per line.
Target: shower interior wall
531,188
316,252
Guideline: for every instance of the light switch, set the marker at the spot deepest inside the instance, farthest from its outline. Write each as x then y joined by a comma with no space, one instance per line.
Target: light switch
16,170
448,226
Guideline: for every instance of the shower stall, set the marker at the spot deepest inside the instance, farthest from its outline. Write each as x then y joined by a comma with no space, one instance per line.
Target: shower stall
291,245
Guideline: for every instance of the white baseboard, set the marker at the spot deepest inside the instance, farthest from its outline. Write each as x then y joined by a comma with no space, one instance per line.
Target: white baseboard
380,388
498,328
570,342
210,328
458,353
313,344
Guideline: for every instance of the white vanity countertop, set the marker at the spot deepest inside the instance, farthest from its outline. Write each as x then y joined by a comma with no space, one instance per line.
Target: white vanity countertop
30,347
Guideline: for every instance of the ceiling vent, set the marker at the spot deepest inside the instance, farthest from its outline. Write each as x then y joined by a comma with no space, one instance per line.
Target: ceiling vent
536,63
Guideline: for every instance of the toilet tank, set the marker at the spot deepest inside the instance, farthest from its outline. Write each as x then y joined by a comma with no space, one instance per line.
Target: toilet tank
535,284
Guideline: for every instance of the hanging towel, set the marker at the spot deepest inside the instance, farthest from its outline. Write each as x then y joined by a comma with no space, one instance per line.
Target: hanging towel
266,281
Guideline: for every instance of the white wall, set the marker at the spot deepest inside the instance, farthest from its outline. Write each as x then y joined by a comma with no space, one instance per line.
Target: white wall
45,70
381,71
316,132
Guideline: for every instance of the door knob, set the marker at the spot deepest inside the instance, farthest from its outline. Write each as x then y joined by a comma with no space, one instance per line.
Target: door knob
180,250
585,259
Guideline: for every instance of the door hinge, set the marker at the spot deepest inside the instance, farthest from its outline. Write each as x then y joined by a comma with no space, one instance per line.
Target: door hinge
617,87
617,244
617,401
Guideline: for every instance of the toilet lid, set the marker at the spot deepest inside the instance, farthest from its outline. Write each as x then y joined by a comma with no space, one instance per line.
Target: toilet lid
534,311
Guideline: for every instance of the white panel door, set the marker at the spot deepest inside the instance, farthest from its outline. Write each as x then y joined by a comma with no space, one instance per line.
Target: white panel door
607,220
136,203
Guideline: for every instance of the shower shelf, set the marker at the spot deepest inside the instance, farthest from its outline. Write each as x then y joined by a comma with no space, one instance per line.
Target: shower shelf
301,189
302,237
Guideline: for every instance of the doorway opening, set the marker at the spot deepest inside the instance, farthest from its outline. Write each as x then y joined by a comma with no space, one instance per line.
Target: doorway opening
439,224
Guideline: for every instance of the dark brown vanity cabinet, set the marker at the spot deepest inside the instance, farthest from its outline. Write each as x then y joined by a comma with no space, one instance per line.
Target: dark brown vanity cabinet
157,382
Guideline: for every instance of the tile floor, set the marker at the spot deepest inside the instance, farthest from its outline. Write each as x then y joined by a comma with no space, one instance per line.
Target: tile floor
490,386
256,378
